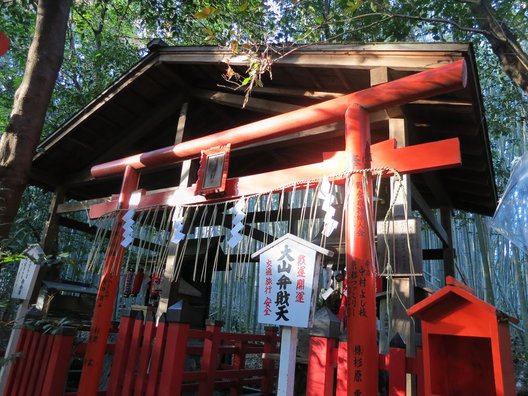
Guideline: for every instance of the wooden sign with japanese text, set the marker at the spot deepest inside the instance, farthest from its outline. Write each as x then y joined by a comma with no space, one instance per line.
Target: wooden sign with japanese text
289,272
27,273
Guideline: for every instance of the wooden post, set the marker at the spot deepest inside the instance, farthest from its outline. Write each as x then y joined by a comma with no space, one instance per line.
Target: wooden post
288,357
133,352
449,254
14,373
45,359
157,357
320,380
106,295
239,363
174,360
397,374
270,346
361,275
210,357
28,355
342,369
168,287
31,281
146,350
59,363
38,365
115,383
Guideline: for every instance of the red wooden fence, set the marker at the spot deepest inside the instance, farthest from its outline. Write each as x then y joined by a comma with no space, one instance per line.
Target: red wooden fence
327,354
42,368
151,360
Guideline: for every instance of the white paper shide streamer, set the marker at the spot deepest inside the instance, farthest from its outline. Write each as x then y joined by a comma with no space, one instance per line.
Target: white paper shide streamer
238,217
177,225
328,197
128,219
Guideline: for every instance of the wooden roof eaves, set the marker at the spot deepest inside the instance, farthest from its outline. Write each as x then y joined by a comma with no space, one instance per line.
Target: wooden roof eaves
213,54
87,111
403,56
479,110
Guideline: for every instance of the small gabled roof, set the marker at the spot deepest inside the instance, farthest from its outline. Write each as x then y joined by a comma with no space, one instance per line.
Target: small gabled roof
454,296
294,238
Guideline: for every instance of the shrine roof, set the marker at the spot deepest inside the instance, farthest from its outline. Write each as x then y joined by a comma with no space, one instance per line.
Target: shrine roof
140,111
452,298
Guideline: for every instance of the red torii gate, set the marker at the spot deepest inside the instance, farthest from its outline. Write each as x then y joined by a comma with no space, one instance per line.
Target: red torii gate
358,155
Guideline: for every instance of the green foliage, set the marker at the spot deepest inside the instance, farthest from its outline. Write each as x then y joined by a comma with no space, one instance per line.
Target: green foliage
47,326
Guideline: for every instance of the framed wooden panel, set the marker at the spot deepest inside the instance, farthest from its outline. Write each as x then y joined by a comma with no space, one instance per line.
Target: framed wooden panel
212,174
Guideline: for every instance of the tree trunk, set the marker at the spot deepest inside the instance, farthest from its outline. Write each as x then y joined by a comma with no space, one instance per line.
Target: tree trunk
19,141
503,42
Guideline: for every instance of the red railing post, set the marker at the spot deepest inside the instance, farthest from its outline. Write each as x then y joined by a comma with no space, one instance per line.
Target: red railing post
324,334
119,361
157,358
320,381
175,353
145,354
420,388
14,374
342,369
239,363
45,359
210,357
24,362
268,364
59,362
133,353
397,372
37,364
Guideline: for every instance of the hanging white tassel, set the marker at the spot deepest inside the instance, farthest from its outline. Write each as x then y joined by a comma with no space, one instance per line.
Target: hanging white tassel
177,225
128,228
326,194
238,216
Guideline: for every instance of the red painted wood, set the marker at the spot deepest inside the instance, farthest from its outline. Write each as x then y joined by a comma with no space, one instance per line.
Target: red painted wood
342,369
419,372
14,374
239,362
270,346
48,340
174,360
133,355
37,364
466,345
145,354
361,273
157,358
26,363
438,155
210,359
417,158
428,83
58,365
106,294
115,383
320,381
397,376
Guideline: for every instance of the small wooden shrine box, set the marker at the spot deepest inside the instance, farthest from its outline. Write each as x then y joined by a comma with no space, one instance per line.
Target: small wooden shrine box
466,344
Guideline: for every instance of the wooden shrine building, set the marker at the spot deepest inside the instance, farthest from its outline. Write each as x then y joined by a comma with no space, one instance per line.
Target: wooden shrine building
178,94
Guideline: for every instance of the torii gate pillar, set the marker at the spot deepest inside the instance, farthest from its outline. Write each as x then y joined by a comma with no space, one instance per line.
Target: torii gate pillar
362,349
